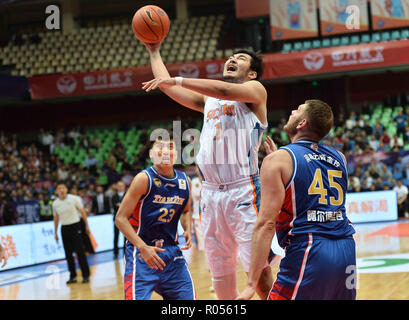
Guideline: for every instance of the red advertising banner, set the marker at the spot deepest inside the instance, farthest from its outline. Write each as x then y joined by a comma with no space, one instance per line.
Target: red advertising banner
277,65
388,14
336,59
118,80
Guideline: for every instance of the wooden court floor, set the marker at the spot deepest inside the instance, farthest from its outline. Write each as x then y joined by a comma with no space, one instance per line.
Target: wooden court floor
382,259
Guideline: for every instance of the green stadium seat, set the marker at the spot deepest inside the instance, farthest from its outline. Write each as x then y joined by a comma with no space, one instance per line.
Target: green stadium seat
376,37
287,47
326,43
404,35
335,41
297,46
316,44
385,36
395,35
306,45
344,41
355,39
365,38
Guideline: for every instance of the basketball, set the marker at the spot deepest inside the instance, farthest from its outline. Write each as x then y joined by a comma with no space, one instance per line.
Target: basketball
150,24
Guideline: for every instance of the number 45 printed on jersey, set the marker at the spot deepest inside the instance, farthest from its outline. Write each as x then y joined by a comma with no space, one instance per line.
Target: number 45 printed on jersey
317,187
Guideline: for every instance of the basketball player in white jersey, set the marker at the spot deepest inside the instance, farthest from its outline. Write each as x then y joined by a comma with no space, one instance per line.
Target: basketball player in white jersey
235,117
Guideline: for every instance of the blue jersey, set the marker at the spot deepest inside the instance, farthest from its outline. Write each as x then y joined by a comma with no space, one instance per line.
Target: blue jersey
315,195
156,215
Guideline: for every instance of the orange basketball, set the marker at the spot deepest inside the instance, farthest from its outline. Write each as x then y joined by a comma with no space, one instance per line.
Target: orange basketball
150,24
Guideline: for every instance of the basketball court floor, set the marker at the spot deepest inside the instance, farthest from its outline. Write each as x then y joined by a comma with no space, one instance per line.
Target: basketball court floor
382,261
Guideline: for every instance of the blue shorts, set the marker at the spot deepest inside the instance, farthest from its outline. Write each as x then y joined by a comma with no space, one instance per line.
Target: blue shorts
317,268
174,282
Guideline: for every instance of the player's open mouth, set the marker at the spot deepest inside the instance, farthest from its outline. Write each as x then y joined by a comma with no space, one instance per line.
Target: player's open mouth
231,68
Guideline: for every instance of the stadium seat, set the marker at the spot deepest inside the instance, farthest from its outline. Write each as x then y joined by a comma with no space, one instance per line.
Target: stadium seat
306,45
297,46
335,41
287,47
404,35
355,39
376,37
395,35
385,36
316,44
344,41
326,42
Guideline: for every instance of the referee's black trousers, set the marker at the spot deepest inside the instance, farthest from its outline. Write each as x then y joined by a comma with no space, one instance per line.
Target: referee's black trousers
72,241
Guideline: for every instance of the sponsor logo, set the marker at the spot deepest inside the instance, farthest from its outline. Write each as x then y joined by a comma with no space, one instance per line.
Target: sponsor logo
189,71
66,84
314,60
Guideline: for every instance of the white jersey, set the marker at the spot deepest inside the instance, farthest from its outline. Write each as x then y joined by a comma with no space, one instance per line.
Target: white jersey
229,141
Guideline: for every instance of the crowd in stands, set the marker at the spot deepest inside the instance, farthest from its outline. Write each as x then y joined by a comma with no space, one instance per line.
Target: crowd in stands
30,171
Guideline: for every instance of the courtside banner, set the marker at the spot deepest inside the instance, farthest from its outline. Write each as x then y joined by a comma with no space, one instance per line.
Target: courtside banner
118,80
292,19
372,206
388,14
336,59
34,243
335,19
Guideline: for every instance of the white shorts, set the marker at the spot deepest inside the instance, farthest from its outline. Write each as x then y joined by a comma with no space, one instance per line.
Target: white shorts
228,215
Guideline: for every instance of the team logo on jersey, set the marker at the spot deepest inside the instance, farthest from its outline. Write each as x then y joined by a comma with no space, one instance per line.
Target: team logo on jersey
157,182
314,146
182,184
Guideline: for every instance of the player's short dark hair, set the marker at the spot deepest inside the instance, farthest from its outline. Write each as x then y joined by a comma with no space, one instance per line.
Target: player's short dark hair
320,117
257,63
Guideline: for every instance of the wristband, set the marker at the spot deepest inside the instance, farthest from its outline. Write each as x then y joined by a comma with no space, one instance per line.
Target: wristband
179,81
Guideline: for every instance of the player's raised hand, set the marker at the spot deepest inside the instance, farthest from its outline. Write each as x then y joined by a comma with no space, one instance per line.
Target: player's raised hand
152,47
150,256
269,145
158,82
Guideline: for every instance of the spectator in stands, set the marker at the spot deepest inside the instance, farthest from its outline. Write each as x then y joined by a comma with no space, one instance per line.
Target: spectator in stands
396,143
46,207
367,127
399,165
351,121
405,171
400,121
385,173
8,212
91,163
397,174
100,203
402,194
378,129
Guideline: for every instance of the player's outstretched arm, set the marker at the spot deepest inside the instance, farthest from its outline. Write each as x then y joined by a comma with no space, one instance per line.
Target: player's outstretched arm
137,189
187,98
272,198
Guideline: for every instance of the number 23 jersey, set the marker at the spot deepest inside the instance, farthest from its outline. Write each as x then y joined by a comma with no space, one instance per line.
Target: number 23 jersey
157,214
315,195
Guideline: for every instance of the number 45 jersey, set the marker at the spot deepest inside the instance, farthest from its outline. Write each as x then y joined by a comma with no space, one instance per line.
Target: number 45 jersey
156,216
315,195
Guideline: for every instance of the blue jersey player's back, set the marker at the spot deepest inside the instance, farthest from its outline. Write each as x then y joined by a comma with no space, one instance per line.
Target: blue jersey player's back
315,195
156,216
